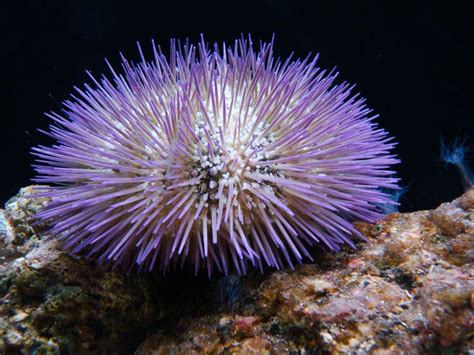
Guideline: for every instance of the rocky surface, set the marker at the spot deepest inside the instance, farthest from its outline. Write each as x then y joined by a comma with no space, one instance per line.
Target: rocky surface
53,303
410,290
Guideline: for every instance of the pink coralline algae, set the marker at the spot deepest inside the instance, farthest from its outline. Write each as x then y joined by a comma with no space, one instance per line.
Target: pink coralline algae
222,157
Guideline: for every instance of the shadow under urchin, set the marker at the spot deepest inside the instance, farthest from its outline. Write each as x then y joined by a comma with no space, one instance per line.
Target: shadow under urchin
222,157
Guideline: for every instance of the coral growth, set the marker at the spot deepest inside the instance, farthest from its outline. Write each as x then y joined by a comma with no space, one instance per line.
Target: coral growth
455,154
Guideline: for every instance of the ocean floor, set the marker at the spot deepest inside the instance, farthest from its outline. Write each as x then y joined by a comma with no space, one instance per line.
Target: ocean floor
410,290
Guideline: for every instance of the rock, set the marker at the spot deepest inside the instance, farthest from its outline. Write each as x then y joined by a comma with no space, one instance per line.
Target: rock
409,290
245,325
54,303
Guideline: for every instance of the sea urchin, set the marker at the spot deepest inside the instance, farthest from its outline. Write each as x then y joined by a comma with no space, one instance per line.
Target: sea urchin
223,157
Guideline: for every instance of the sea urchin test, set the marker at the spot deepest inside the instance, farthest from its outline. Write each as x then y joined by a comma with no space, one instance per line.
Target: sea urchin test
223,158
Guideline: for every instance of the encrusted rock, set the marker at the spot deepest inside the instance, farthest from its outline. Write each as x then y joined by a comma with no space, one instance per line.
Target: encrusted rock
410,290
51,302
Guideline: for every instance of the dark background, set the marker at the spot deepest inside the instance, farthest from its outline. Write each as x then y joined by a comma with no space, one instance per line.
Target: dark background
413,62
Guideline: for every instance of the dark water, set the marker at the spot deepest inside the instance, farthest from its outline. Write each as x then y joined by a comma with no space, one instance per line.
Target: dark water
412,62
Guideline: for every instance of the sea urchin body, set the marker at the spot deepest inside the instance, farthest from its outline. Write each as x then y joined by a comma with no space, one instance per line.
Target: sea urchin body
223,158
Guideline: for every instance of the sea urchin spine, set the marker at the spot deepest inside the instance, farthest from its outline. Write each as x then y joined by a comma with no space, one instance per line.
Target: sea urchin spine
223,157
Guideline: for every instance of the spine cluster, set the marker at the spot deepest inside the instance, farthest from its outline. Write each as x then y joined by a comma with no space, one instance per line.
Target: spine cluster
222,158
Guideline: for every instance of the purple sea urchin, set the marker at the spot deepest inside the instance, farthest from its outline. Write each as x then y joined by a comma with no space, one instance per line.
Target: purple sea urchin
217,157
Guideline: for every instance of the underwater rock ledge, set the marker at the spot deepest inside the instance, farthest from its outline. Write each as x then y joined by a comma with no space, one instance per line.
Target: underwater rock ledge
51,302
410,290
